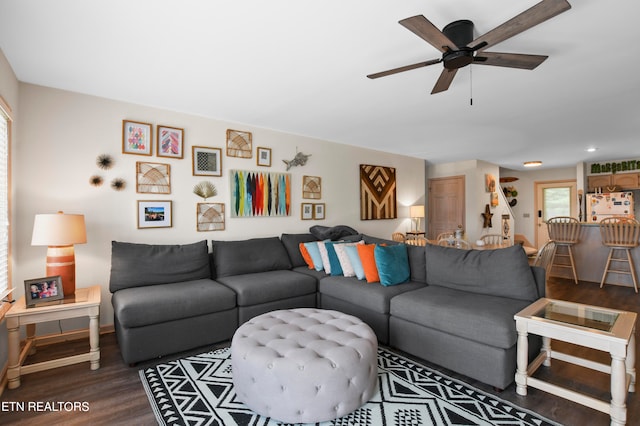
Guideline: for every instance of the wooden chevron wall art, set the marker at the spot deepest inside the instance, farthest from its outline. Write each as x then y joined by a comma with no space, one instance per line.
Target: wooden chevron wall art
377,192
260,194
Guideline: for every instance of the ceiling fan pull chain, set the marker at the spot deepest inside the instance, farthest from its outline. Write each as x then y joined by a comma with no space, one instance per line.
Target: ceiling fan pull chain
470,86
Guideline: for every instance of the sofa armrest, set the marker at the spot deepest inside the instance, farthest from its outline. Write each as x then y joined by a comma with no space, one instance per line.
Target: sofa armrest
540,278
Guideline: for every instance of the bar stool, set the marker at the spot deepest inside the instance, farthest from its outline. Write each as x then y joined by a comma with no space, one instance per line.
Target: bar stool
564,231
620,233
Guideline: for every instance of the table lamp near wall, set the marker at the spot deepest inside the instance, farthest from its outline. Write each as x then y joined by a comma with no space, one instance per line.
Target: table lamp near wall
60,232
416,212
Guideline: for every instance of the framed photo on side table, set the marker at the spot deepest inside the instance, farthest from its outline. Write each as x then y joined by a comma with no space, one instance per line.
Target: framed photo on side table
154,214
41,290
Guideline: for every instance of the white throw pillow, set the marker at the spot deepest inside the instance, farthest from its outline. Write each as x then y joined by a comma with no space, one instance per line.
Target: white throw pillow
343,257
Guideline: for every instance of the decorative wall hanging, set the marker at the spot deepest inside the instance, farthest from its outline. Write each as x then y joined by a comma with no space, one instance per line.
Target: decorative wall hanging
207,161
263,156
311,187
318,211
210,217
487,215
506,230
494,199
239,144
377,192
205,190
299,160
118,184
136,138
260,194
170,142
154,214
96,180
153,178
306,211
489,183
104,161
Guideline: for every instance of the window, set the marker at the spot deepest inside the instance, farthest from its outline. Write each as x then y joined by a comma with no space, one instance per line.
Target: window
5,128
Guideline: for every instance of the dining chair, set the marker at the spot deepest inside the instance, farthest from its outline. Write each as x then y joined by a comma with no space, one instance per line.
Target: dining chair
493,239
398,236
455,243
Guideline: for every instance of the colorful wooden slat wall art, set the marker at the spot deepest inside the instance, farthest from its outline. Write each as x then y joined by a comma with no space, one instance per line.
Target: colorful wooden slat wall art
377,192
260,194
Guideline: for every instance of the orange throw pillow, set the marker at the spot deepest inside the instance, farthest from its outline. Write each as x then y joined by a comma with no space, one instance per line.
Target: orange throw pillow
365,251
306,256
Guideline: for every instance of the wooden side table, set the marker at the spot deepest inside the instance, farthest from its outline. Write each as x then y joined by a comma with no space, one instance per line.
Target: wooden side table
85,302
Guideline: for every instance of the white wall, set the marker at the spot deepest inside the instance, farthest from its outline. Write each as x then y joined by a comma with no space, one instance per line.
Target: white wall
62,133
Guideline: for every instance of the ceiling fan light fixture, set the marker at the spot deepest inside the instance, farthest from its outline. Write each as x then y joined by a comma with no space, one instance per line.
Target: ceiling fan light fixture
592,149
533,163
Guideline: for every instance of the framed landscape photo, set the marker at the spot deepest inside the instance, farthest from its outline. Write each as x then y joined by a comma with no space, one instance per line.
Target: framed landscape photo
207,161
306,211
318,211
169,142
154,214
40,290
136,138
264,156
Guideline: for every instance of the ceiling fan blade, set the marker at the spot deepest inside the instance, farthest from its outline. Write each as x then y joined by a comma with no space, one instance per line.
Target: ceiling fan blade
531,17
404,68
423,28
444,81
511,60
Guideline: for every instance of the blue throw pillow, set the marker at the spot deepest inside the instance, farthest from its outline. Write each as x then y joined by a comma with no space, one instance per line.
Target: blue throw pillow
392,263
334,261
356,263
314,252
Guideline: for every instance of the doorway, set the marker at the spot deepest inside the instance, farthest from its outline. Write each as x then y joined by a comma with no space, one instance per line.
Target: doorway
553,198
446,205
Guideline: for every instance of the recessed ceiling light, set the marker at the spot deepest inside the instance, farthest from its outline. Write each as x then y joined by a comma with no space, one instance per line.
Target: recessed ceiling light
592,149
533,163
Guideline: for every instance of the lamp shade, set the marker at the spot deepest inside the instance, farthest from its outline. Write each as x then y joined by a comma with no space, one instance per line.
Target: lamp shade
58,229
416,211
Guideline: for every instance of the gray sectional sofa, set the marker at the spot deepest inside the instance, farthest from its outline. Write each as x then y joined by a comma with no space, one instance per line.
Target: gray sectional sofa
455,310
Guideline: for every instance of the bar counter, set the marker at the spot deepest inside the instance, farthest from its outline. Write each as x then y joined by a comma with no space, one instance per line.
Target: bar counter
590,257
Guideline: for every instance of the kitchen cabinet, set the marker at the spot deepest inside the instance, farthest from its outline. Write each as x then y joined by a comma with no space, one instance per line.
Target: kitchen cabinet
623,181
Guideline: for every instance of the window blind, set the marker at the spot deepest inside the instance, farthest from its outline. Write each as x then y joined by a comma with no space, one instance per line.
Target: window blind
4,204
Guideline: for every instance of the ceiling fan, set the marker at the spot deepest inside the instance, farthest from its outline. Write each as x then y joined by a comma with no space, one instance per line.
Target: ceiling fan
459,49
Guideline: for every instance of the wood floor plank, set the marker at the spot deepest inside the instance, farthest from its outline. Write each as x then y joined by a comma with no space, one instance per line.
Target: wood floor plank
114,394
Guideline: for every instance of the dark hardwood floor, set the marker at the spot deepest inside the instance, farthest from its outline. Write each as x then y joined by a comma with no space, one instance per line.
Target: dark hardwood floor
114,394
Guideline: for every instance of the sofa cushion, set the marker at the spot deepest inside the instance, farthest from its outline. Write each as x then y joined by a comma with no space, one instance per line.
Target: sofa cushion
392,263
140,306
134,265
263,287
292,245
502,272
374,297
249,256
480,318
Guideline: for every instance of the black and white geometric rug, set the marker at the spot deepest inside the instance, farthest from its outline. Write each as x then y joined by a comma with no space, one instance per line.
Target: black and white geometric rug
198,390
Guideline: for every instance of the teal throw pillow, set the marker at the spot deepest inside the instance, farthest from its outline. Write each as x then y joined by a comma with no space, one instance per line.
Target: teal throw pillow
392,263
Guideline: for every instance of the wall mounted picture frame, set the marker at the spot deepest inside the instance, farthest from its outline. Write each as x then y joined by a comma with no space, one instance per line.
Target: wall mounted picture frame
137,138
210,217
154,214
489,183
311,187
319,211
306,211
153,178
41,290
263,156
239,144
207,161
170,142
378,192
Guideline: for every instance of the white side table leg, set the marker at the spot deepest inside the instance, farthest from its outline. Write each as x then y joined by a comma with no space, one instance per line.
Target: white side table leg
546,348
522,359
630,362
618,410
13,372
94,341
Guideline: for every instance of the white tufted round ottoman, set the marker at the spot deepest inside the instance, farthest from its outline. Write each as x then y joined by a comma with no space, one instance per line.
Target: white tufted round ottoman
304,365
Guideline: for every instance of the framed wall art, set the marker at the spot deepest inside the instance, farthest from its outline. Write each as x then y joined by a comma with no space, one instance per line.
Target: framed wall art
239,144
210,217
170,142
311,187
318,211
153,178
154,214
263,156
41,290
136,138
306,211
206,161
259,194
377,192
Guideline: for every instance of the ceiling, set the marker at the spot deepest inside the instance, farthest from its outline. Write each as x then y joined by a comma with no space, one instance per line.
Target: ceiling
299,67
